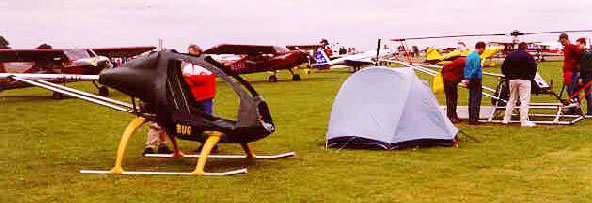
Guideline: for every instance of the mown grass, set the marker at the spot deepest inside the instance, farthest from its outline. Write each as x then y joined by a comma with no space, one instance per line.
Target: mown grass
45,142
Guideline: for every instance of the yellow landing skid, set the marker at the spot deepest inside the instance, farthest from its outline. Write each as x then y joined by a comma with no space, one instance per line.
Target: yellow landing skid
235,172
213,138
225,156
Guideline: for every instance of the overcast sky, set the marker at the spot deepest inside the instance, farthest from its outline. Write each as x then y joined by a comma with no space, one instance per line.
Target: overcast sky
114,23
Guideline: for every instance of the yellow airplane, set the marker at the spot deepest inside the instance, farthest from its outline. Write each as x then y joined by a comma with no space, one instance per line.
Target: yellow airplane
433,56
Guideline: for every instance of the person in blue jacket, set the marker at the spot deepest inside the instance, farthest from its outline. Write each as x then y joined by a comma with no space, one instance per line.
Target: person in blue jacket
473,75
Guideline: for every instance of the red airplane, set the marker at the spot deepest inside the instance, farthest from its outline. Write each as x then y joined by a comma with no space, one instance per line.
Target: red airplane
61,61
255,58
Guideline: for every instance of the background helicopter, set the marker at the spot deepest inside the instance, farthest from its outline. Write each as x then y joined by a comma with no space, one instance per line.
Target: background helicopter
500,93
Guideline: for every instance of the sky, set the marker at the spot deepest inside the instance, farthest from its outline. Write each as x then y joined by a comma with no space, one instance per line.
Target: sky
116,23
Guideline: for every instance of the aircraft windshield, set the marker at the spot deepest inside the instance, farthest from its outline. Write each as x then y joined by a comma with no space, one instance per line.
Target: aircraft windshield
75,54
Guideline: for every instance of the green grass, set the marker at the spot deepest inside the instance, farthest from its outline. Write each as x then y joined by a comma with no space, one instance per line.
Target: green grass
45,142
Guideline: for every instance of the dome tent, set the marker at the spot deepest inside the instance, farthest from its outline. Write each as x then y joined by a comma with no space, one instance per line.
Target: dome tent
387,108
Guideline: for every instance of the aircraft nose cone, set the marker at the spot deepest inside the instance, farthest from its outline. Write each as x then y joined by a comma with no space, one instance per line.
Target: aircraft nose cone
134,78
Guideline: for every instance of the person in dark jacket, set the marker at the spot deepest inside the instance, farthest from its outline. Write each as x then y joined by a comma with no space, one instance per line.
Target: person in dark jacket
519,69
586,73
452,74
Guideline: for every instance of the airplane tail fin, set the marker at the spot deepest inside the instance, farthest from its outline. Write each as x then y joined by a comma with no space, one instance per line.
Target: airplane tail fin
489,52
433,54
321,60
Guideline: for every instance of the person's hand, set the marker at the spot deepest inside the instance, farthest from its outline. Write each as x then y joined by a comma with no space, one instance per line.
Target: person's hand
581,81
464,83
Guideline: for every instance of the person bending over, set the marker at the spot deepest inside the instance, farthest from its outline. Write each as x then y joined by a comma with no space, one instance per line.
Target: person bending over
452,74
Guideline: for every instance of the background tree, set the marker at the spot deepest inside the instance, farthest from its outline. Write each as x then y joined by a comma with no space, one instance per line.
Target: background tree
3,43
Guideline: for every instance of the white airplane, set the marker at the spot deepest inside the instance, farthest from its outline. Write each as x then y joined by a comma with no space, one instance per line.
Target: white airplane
354,60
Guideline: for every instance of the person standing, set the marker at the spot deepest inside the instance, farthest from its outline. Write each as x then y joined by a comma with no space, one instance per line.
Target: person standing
156,137
473,74
586,73
571,54
519,69
452,74
202,83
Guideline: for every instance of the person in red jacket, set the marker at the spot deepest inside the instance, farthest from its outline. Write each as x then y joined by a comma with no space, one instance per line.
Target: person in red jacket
202,83
452,74
571,54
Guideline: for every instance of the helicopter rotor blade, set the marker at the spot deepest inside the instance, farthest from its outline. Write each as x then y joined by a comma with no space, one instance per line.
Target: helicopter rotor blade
449,36
513,33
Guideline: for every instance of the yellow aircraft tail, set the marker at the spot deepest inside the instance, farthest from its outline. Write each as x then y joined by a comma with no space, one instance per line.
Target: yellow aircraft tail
488,53
433,55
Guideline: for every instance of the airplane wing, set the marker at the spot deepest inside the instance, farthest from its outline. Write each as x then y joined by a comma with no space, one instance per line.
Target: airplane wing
32,55
120,52
43,81
241,49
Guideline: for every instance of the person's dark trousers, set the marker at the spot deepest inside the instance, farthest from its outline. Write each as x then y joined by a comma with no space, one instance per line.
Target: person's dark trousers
588,92
451,92
474,100
572,86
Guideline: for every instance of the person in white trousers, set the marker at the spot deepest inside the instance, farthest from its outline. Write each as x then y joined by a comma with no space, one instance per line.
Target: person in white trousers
519,68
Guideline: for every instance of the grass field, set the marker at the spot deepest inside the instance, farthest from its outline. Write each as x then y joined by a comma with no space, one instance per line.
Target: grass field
46,142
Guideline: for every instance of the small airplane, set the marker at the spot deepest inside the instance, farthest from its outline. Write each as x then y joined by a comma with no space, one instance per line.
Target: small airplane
355,60
160,94
61,61
257,58
433,56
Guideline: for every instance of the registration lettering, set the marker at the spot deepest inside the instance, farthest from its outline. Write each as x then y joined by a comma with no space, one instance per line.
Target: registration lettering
183,129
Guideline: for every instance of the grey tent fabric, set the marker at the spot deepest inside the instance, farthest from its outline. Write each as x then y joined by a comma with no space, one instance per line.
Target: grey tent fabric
387,107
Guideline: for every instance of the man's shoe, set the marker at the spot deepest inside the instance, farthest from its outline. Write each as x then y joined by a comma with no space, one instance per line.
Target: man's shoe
148,150
455,121
528,124
505,122
164,149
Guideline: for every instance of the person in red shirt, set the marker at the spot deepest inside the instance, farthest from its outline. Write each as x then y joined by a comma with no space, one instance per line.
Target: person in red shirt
571,54
452,74
202,83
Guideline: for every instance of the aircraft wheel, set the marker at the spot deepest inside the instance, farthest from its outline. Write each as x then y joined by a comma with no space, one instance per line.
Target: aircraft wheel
296,77
272,78
57,96
103,91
